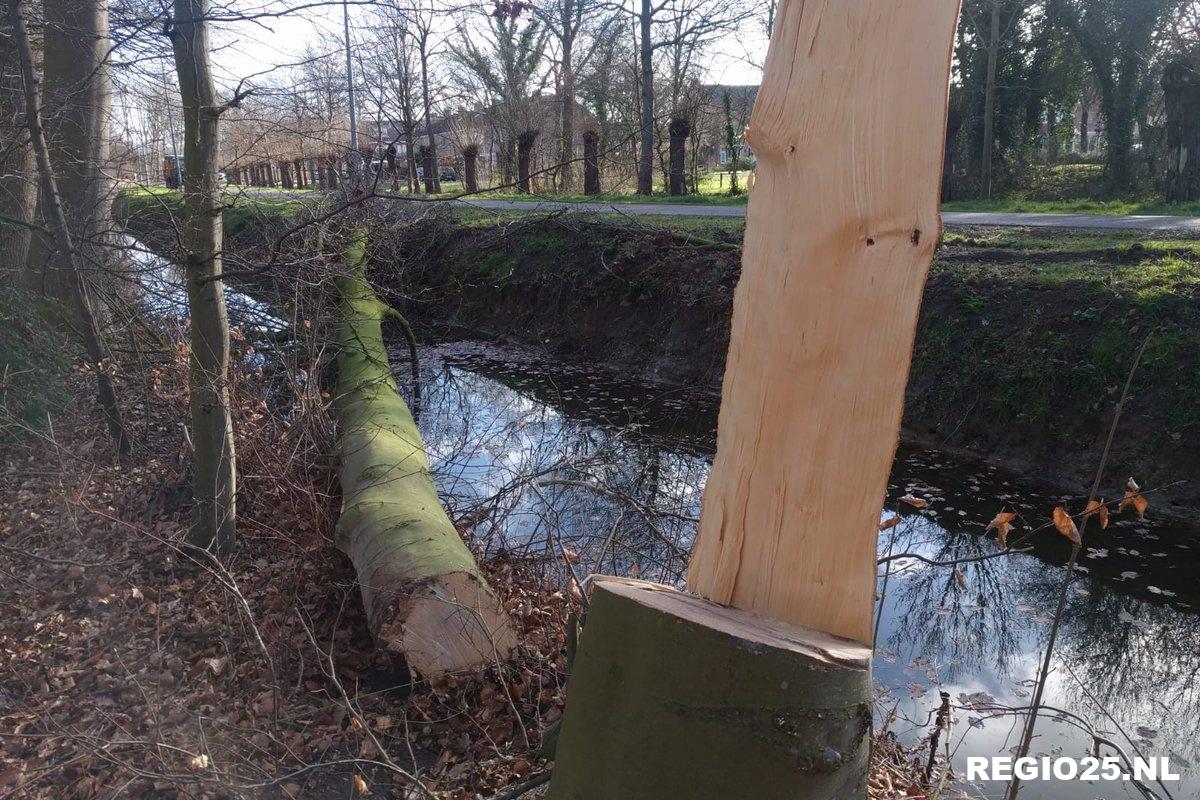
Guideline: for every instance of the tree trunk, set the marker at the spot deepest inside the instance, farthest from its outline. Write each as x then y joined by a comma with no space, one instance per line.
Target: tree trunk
524,156
1181,99
591,163
78,91
433,182
672,696
422,590
762,689
56,217
680,130
645,177
18,174
285,175
470,179
214,482
1083,127
989,100
566,157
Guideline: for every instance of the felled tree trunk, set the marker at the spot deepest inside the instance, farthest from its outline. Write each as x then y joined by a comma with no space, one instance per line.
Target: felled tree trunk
470,178
762,690
679,130
591,162
421,587
1181,99
524,157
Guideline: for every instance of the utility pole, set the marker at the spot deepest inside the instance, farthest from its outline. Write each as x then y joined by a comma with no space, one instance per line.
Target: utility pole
354,154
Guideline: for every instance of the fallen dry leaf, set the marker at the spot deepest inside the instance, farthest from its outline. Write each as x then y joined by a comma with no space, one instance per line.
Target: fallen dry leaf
891,522
915,502
1133,498
360,785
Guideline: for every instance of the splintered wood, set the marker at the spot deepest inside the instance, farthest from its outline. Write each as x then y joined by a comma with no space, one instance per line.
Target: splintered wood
848,129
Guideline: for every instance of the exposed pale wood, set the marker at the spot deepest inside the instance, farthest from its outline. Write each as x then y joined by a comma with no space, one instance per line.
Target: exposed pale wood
848,131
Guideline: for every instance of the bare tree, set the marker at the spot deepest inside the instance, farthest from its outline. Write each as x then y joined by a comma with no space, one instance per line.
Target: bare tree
214,482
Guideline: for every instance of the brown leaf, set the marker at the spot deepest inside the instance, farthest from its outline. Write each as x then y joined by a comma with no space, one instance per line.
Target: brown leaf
1002,523
360,785
1132,498
1066,525
915,502
891,522
959,578
1098,508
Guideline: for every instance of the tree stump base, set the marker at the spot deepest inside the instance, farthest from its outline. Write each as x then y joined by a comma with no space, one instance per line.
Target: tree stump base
673,696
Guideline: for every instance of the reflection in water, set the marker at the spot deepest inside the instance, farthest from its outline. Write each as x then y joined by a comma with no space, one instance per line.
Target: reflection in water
542,459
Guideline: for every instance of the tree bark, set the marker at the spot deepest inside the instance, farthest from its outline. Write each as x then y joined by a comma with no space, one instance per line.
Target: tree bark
680,129
78,91
422,590
56,217
524,156
470,178
674,696
1181,99
214,483
591,163
989,100
18,175
1083,127
433,181
645,178
566,157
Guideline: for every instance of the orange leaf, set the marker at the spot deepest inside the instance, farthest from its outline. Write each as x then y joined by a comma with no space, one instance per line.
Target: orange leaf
915,502
1066,525
889,523
1098,508
1002,524
1133,498
360,785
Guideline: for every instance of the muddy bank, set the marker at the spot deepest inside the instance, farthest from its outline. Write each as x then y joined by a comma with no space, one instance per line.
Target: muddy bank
1019,357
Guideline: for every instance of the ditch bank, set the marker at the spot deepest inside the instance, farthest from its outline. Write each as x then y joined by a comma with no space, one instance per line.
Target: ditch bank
1019,358
1024,342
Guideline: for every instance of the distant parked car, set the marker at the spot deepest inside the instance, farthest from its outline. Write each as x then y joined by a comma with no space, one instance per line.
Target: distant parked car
447,174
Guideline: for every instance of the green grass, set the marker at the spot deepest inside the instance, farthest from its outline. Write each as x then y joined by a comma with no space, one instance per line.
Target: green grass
1077,206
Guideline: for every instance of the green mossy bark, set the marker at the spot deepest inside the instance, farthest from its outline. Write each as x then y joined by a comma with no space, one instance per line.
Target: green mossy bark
392,524
663,704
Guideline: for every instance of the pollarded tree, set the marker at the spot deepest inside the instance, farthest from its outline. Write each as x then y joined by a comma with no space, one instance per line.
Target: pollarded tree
501,65
1116,38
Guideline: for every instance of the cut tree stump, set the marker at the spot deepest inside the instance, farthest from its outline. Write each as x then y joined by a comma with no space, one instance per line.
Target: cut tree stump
672,696
422,589
678,696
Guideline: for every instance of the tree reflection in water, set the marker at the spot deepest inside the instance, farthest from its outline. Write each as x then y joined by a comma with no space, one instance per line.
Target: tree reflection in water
542,460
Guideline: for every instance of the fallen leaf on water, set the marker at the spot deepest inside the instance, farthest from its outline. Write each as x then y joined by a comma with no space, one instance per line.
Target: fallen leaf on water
1002,524
915,502
889,523
1066,525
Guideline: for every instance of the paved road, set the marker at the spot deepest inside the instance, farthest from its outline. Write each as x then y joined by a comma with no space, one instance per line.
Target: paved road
953,218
